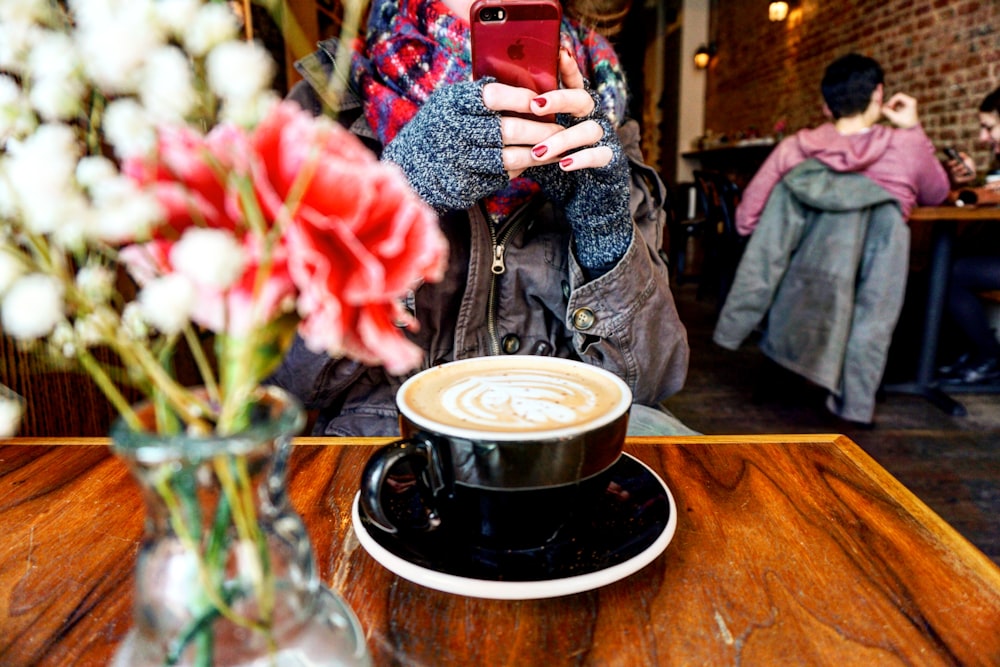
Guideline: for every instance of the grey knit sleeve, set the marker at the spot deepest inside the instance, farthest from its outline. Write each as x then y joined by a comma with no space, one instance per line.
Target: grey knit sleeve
451,149
596,201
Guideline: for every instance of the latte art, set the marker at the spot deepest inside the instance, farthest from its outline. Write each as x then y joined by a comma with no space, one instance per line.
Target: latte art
530,399
513,396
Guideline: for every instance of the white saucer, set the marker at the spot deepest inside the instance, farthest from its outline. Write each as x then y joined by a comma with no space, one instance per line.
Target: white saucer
508,589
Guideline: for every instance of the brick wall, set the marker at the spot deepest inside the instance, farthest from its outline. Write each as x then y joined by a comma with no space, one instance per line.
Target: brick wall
946,53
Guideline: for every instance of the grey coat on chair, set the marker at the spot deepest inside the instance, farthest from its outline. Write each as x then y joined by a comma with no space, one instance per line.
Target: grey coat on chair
827,265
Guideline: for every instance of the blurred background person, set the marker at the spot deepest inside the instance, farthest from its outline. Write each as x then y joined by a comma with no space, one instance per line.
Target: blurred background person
977,265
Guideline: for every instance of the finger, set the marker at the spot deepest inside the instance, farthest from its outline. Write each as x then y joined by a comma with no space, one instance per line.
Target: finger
516,159
501,97
588,158
576,102
582,135
516,131
569,71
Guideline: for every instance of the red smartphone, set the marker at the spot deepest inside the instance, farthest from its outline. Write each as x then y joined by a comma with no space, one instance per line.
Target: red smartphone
516,41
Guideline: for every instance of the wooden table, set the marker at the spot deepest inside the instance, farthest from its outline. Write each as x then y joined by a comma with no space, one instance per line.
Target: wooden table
944,221
788,550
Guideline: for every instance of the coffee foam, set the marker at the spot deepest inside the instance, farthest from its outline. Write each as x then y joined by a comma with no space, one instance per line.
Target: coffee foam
512,396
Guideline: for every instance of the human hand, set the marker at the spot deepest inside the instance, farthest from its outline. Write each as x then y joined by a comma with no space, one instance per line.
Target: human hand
450,151
901,110
531,143
961,171
581,166
989,193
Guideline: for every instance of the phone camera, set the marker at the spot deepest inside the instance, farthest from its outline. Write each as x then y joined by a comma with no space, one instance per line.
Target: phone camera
492,14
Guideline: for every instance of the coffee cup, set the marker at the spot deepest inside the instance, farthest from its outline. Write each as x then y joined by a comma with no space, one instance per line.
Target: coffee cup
495,449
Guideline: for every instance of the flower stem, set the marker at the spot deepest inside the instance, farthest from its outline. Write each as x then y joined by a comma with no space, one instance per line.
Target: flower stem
108,388
205,371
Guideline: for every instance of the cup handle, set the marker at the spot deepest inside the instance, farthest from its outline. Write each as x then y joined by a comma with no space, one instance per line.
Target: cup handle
377,472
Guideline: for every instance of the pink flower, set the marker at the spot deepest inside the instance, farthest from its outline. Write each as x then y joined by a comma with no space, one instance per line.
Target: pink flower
343,235
358,237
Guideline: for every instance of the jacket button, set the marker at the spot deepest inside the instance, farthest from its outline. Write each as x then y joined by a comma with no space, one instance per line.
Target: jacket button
583,318
511,344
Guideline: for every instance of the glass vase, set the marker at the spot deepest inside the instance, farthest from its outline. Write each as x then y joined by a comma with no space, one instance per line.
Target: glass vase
226,574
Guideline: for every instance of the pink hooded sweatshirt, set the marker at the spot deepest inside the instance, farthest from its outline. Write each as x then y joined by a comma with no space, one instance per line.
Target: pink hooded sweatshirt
901,161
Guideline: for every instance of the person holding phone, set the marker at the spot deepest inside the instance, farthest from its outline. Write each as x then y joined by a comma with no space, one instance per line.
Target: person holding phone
976,268
962,168
553,220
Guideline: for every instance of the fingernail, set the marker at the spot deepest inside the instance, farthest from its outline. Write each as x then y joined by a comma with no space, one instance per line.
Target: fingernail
540,101
539,151
565,162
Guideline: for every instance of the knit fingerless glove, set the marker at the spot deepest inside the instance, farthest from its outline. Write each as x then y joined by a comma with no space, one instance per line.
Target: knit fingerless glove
450,151
595,201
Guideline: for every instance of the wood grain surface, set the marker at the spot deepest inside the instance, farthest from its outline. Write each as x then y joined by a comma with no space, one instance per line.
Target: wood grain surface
788,550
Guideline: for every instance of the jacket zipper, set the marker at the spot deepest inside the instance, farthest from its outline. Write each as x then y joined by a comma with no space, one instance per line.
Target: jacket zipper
499,240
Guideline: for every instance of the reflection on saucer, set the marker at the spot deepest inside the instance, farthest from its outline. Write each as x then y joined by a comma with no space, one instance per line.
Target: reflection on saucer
615,532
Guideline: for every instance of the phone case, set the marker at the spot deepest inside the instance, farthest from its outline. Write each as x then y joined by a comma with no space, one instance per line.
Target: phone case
516,41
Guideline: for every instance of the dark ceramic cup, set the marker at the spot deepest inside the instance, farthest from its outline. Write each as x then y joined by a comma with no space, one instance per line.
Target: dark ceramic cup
495,449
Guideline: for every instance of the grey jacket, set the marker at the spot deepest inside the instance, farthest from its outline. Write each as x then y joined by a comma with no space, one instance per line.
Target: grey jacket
515,290
827,265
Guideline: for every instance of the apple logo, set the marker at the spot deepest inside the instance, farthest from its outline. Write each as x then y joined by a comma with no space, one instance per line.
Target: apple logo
516,50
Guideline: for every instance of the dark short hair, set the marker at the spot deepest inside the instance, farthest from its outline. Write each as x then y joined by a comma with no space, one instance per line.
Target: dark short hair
991,103
849,82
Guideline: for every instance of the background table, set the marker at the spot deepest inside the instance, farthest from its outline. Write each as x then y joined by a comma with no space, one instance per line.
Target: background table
943,221
788,550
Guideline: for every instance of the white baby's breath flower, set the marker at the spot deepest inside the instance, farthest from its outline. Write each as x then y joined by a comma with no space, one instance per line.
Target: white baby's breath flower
40,171
57,98
93,170
8,198
127,216
63,340
114,39
32,306
167,302
75,214
10,91
27,11
128,127
133,323
214,24
92,329
11,410
16,38
57,88
167,88
239,69
248,112
11,268
96,282
177,16
16,117
209,257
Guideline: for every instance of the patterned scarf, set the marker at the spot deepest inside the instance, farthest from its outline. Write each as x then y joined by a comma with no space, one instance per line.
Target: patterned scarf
413,46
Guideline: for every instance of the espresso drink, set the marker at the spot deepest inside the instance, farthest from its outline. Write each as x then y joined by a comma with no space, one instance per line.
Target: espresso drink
496,450
513,394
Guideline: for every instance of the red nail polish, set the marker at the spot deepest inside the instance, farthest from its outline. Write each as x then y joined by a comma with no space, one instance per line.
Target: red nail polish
565,162
539,151
540,101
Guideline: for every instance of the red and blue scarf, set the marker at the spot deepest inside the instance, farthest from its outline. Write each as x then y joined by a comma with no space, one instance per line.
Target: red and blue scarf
414,46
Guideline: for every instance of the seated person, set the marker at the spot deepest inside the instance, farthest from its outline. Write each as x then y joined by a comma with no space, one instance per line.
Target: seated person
827,264
553,227
902,159
963,173
977,265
